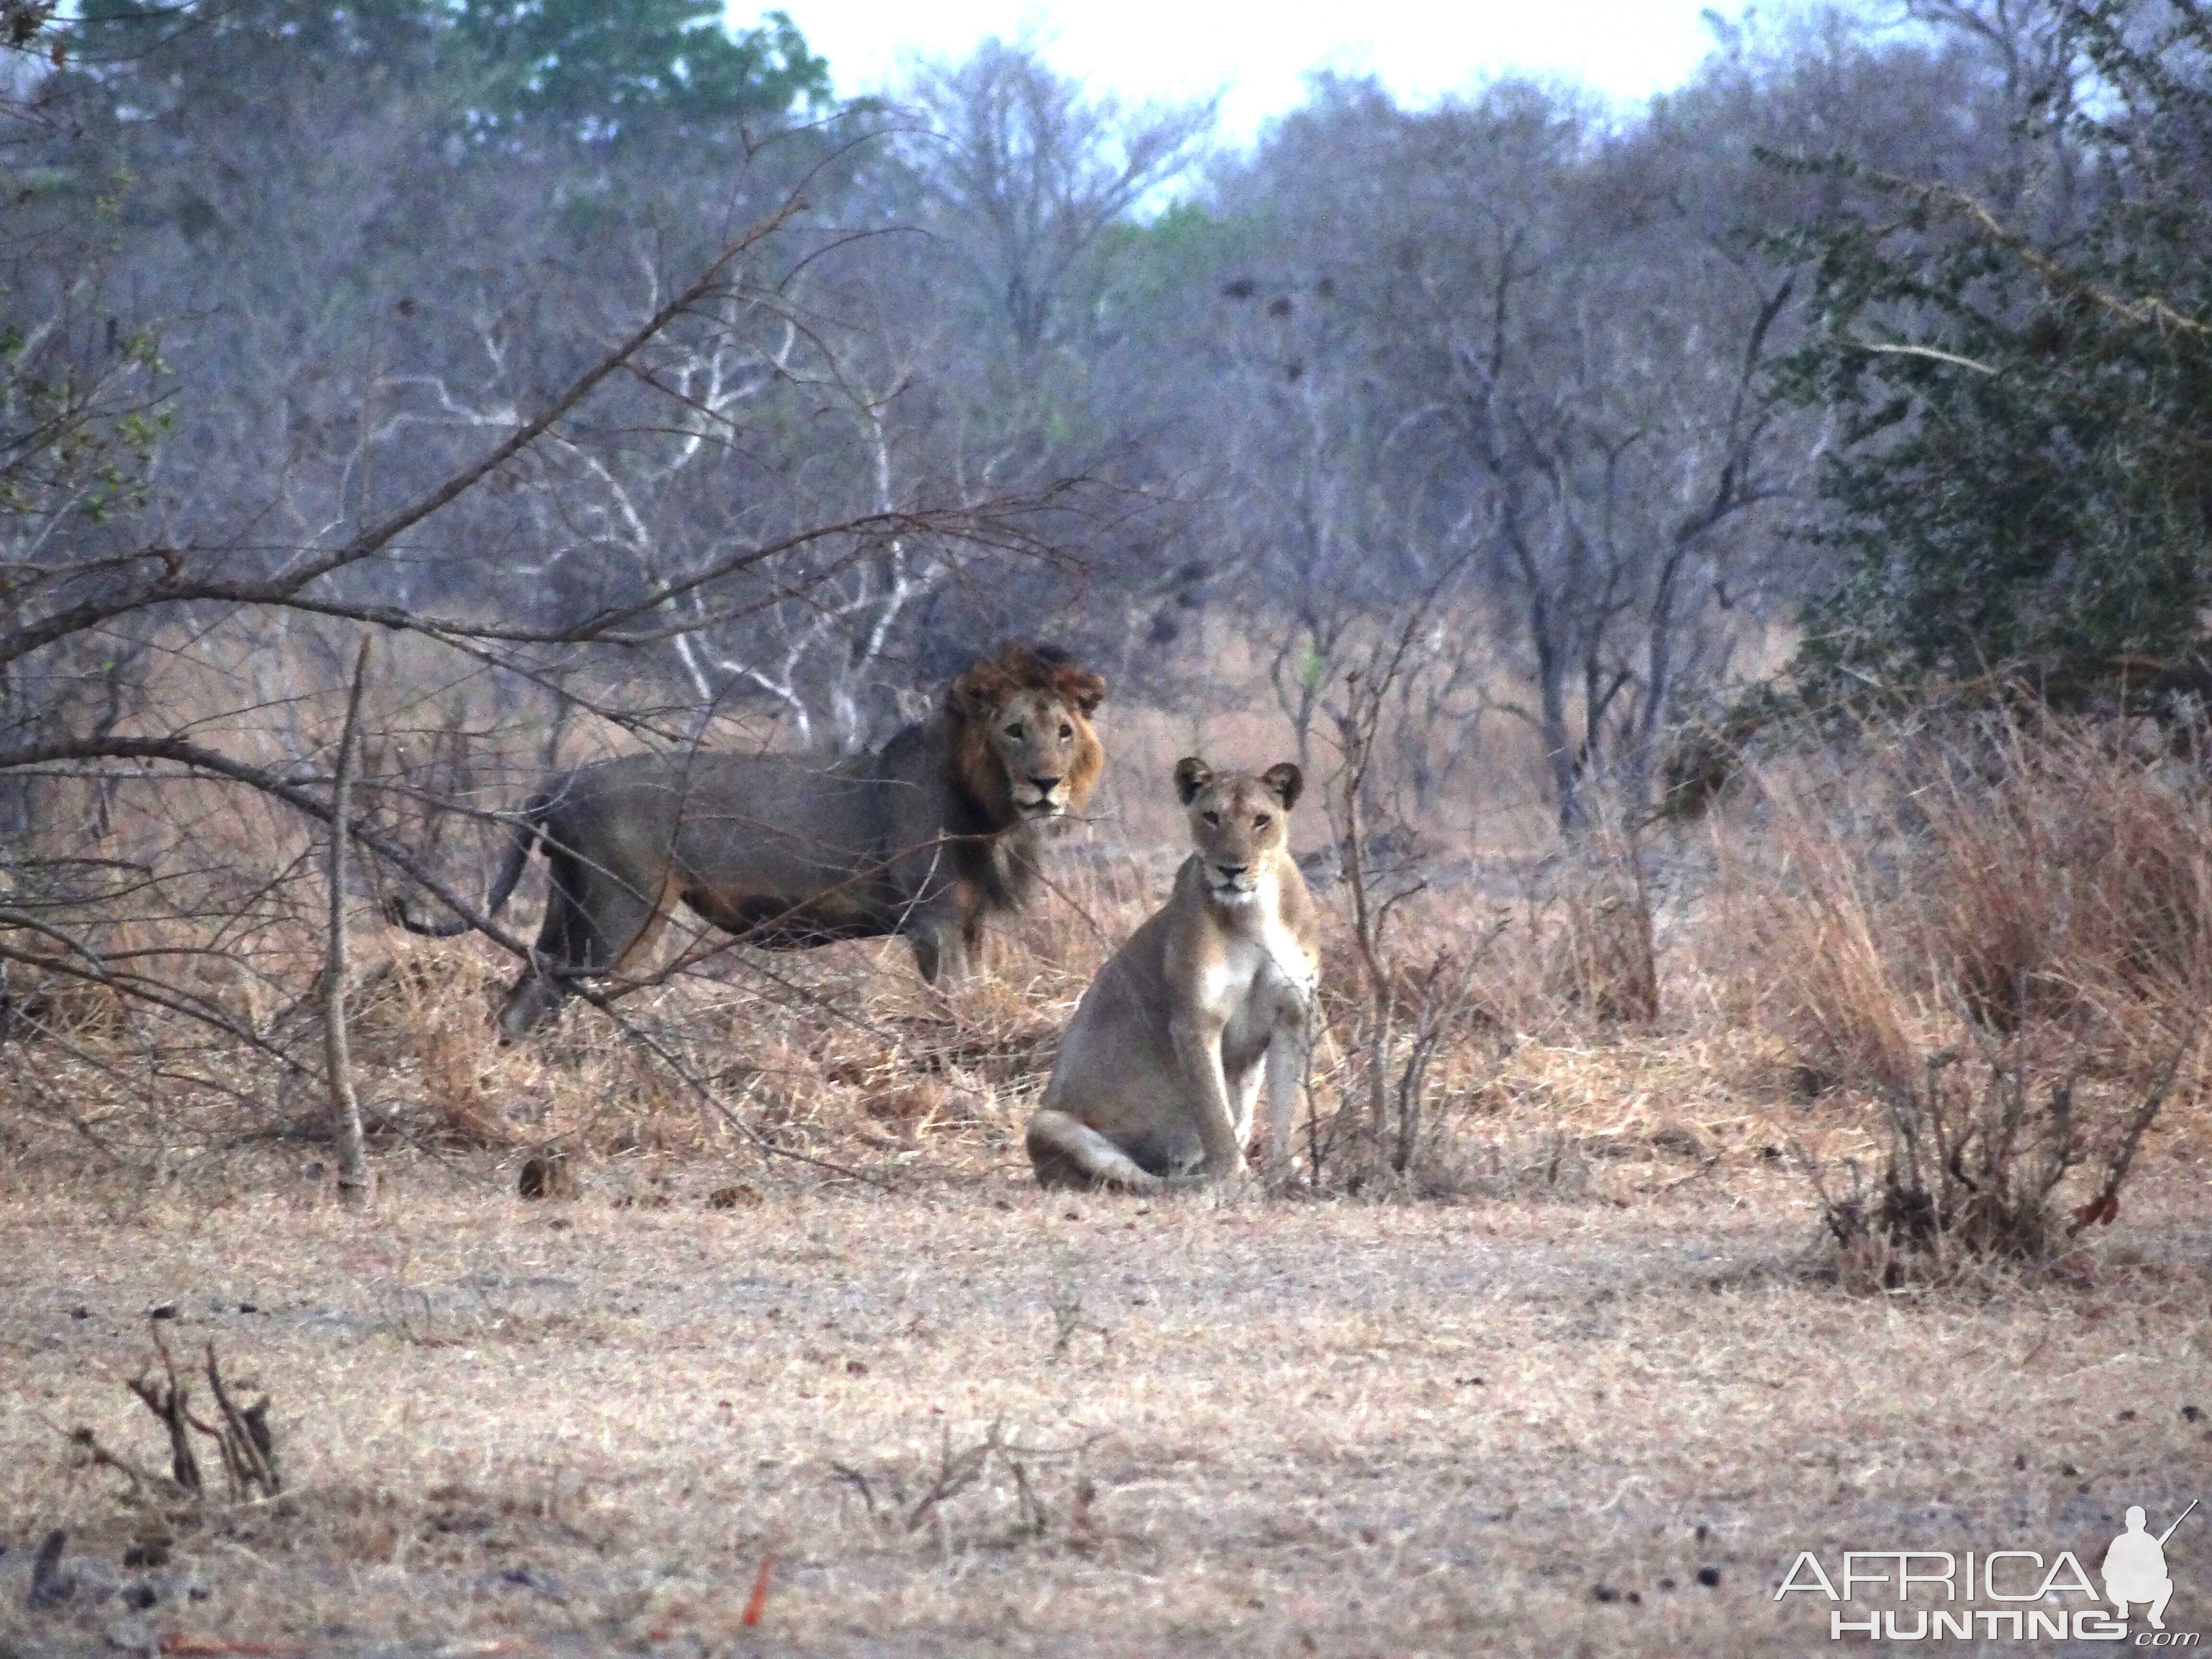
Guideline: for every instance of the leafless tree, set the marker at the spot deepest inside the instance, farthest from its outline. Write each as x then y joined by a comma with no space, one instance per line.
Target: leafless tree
1027,176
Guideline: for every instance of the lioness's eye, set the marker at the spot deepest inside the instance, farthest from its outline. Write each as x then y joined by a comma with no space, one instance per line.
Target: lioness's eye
1066,730
1259,823
1015,730
1214,818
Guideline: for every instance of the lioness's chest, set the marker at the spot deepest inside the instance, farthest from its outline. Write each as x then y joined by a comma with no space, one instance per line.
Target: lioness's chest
1260,976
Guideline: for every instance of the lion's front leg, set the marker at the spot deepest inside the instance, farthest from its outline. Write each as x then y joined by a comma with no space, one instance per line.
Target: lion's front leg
1198,1052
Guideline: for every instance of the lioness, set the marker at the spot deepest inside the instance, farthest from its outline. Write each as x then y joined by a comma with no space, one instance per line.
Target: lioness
1161,1067
927,837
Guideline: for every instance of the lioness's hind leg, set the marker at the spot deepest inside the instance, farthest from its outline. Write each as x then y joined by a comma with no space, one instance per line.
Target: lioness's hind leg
1066,1151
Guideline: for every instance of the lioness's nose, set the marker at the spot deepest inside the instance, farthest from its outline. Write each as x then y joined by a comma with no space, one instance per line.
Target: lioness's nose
1048,785
1232,869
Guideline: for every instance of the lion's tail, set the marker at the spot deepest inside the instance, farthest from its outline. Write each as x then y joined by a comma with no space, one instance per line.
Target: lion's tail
527,826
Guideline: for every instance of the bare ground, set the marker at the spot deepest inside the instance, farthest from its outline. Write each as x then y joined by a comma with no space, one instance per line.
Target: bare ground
1604,1426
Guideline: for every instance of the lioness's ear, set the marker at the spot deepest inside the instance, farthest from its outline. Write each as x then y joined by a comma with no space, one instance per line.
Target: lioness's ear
1080,687
1191,775
1287,782
977,690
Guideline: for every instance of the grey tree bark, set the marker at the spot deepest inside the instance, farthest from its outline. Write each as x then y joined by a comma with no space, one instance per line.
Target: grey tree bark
337,1061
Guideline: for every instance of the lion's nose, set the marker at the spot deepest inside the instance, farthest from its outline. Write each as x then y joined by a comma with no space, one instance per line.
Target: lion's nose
1045,785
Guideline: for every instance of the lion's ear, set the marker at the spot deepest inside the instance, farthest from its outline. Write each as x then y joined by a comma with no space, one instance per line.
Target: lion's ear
1287,782
977,691
1080,687
1191,775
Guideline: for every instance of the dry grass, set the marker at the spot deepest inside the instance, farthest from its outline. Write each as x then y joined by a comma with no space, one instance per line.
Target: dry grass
806,1302
1256,1429
2002,935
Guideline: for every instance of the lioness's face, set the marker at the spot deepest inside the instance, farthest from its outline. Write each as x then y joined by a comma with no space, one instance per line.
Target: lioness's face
1039,739
1239,822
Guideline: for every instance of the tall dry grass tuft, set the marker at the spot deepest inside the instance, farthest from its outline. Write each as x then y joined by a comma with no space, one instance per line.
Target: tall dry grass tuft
2077,878
2003,937
1602,955
1822,956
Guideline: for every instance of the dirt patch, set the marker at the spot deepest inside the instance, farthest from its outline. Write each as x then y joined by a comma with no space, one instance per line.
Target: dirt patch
989,1420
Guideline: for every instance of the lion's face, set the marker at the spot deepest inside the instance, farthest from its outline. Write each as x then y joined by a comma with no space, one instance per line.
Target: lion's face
1041,740
1239,822
1028,748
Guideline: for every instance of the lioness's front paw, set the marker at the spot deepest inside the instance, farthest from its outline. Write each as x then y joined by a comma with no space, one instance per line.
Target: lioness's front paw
1231,1187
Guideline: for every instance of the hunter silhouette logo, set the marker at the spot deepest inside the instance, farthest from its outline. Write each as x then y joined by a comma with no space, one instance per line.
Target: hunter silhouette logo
2134,1567
1999,1596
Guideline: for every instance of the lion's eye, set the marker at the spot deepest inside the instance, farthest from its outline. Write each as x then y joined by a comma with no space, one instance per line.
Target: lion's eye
1015,730
1214,818
1066,730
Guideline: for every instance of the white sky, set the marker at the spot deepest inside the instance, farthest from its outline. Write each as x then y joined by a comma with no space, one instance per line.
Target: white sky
1260,54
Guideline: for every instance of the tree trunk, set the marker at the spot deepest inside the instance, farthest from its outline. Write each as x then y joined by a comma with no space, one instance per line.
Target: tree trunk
345,1107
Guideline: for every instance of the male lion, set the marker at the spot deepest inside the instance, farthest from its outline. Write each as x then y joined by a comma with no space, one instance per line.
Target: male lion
1161,1067
927,837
